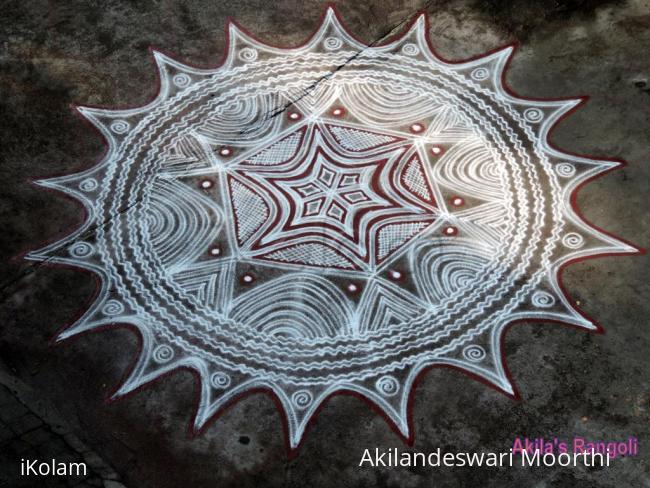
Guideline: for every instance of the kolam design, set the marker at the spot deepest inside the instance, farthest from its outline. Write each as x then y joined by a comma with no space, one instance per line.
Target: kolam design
329,217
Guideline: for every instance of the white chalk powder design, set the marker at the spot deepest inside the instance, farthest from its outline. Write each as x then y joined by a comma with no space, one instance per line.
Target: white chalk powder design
328,217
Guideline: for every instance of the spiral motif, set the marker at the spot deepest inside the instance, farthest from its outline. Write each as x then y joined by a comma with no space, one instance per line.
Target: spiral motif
302,399
573,240
332,43
533,114
81,250
387,385
120,126
220,380
480,74
112,307
181,80
89,184
543,299
474,353
248,54
410,49
163,354
565,170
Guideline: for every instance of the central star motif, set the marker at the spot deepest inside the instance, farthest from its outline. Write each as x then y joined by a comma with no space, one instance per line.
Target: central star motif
339,196
333,195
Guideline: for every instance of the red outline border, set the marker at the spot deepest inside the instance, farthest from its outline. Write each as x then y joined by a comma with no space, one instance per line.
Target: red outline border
292,452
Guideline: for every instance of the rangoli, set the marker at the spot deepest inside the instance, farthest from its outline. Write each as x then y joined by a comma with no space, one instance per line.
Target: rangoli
332,217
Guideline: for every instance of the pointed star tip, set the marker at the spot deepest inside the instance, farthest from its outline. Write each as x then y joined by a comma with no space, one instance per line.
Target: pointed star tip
62,336
83,110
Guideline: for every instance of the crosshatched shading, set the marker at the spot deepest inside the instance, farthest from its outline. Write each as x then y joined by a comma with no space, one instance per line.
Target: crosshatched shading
329,217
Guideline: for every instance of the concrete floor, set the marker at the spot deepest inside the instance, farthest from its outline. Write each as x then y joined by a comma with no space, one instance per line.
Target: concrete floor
571,383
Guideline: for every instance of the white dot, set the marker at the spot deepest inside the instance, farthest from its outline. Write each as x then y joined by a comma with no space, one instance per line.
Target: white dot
215,251
436,149
396,275
417,128
352,288
248,278
206,184
338,111
294,115
457,201
450,231
225,151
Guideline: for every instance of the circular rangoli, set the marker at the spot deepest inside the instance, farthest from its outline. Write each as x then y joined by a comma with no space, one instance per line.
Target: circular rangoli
330,217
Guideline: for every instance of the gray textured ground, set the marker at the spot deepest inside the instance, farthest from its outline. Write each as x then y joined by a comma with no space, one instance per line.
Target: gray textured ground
571,383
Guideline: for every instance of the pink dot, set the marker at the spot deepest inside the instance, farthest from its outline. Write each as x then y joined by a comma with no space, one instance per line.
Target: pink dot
225,151
457,201
338,112
417,128
450,231
437,150
206,184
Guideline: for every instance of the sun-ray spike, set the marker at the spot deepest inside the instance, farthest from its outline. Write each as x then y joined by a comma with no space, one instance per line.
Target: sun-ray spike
549,302
598,164
331,23
541,116
390,393
479,353
300,403
157,357
333,35
412,41
84,186
87,324
615,245
574,171
166,63
107,310
584,240
220,385
495,371
590,168
485,71
243,48
553,112
136,377
500,376
101,119
174,75
208,400
114,125
47,253
567,313
78,327
73,250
